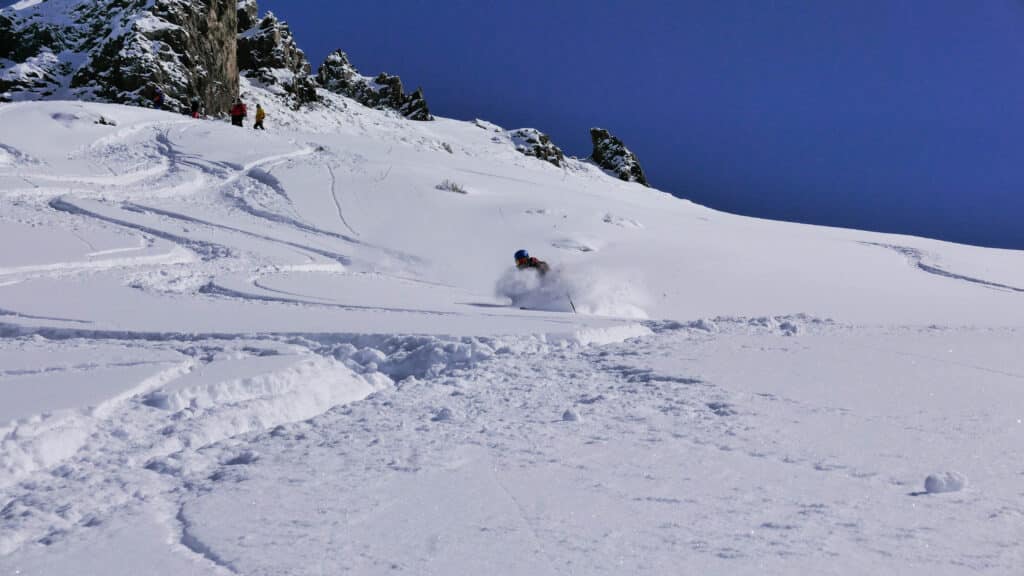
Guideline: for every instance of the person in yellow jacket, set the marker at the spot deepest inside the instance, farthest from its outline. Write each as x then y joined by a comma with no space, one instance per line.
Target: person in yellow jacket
260,115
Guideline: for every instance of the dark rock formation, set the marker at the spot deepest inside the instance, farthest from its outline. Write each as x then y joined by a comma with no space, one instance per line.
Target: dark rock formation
612,155
385,91
122,50
533,142
248,15
267,52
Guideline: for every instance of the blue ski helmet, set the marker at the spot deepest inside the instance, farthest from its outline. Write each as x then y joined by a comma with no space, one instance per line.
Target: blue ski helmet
520,254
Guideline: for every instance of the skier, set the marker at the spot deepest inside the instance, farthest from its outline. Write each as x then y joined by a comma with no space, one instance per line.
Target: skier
525,261
158,99
238,113
260,115
195,107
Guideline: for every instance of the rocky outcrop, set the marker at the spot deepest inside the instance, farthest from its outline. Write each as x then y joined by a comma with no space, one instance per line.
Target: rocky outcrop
267,52
248,15
385,91
612,155
122,51
126,51
533,142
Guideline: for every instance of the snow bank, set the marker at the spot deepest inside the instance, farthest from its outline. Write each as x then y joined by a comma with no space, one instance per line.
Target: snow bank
593,292
298,392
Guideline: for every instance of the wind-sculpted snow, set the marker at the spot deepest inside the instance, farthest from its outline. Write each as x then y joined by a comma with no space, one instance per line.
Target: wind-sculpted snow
287,352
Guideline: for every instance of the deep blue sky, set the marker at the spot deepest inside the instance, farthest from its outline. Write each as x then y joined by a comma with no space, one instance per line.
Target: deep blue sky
891,115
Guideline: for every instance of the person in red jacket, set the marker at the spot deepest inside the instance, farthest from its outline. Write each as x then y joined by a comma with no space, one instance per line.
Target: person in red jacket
238,113
525,261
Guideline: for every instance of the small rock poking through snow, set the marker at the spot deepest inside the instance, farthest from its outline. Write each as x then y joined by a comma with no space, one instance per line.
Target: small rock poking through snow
570,415
944,482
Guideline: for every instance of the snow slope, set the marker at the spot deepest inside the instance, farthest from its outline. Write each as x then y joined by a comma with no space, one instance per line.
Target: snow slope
293,352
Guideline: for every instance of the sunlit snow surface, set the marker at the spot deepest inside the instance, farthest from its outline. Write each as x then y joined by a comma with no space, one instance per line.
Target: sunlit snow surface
291,352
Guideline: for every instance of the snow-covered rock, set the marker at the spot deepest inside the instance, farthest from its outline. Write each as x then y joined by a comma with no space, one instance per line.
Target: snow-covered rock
248,14
338,75
533,142
268,53
612,155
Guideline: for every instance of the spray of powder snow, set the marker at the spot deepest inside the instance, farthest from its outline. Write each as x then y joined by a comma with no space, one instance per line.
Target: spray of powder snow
595,292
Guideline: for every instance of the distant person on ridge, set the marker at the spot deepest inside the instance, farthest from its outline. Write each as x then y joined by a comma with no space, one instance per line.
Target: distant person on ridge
260,115
525,261
238,113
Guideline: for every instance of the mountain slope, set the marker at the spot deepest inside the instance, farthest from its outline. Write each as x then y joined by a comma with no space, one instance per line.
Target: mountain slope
230,351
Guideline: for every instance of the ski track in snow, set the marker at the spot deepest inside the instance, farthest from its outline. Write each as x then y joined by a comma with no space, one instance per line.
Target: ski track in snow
916,257
337,202
234,180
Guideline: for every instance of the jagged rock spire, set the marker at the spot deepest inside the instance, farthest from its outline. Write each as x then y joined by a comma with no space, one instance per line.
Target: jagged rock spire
612,155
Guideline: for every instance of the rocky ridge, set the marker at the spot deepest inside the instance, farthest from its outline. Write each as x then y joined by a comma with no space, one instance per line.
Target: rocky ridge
124,51
338,75
268,53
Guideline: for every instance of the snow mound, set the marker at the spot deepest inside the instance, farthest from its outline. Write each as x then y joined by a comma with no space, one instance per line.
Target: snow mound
944,482
597,293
